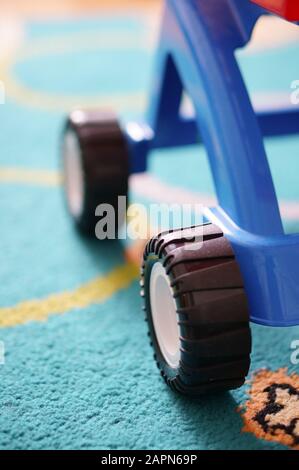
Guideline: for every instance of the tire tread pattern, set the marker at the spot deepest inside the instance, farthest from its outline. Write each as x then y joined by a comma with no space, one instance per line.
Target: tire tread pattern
212,310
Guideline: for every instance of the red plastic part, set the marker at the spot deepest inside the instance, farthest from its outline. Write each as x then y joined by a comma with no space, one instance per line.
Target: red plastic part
288,9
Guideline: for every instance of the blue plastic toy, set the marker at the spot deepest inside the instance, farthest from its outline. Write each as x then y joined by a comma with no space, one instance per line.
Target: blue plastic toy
198,305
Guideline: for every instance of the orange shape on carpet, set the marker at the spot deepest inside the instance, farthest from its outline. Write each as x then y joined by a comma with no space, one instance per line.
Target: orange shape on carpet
272,412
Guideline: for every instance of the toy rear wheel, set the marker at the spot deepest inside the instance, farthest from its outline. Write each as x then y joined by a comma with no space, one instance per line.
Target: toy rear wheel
196,310
96,165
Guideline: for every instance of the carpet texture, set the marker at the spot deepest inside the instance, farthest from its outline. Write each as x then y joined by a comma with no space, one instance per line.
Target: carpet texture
78,370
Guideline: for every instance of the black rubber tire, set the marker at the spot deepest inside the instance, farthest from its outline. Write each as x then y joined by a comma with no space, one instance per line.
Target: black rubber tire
104,162
212,310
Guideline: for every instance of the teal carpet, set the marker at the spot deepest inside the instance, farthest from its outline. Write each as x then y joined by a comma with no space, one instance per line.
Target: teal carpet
81,375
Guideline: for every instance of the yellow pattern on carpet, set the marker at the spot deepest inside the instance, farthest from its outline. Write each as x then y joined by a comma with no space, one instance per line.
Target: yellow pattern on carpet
96,291
26,96
31,177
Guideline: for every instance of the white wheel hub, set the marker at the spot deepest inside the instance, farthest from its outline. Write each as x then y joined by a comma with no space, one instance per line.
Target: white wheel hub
73,172
165,320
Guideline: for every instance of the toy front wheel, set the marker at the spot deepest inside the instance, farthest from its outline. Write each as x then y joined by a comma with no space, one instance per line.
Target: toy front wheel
96,165
196,310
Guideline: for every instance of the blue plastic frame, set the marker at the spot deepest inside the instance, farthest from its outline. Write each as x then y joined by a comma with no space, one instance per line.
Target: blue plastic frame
196,53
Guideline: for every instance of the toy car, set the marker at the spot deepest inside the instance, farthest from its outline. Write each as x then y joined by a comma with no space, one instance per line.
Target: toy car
199,302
